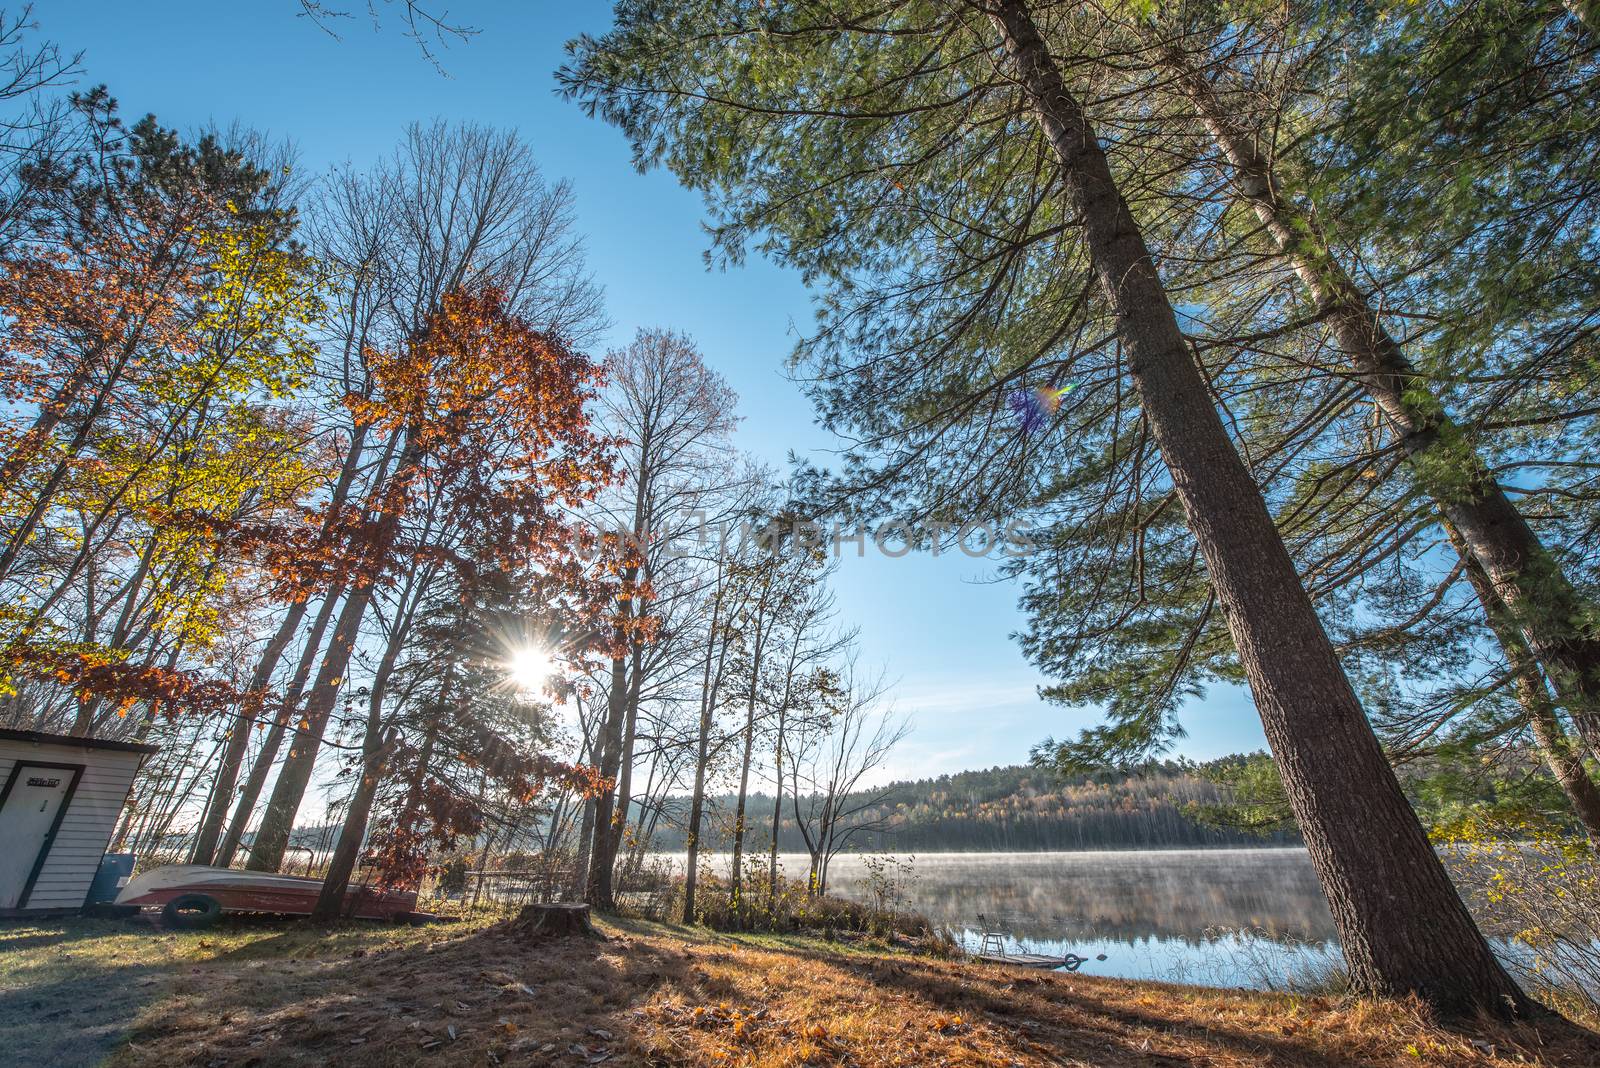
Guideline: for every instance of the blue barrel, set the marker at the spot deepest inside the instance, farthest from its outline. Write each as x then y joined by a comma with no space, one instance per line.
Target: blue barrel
115,870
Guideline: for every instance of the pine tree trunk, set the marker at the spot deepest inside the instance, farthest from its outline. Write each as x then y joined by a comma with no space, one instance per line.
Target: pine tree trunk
1563,757
1541,599
1403,927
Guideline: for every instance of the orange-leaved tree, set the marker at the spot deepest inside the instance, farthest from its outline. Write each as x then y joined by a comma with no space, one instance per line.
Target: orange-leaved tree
493,451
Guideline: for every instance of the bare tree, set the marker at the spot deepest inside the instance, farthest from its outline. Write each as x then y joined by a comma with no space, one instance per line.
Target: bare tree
677,416
830,758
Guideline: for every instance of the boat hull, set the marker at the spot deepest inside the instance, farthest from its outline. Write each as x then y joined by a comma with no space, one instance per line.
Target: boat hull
265,892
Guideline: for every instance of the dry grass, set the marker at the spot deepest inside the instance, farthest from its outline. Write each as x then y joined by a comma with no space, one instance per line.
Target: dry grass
363,997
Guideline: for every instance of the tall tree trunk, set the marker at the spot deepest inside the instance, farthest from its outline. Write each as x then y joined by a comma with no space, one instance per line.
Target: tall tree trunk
777,807
708,704
583,849
377,745
624,801
600,892
1564,758
777,764
277,822
272,837
616,766
238,743
757,650
697,804
256,781
1541,599
374,762
735,878
1403,927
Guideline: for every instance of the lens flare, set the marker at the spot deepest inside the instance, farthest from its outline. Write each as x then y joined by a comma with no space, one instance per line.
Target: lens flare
1034,407
529,668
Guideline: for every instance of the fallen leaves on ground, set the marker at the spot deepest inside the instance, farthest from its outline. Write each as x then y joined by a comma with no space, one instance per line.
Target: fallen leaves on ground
671,996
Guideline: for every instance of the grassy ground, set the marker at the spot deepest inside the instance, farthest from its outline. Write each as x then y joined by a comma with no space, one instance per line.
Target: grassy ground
81,992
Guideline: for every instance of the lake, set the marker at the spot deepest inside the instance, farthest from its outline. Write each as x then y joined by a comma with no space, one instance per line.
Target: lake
1220,917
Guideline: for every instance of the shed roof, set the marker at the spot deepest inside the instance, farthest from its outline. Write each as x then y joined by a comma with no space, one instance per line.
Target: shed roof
41,738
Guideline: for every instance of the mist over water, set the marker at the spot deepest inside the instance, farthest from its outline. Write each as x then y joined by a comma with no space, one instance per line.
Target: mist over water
1225,917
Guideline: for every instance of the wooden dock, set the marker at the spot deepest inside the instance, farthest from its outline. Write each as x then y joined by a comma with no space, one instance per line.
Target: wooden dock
1071,961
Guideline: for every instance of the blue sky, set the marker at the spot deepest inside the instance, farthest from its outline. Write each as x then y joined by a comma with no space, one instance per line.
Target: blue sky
939,625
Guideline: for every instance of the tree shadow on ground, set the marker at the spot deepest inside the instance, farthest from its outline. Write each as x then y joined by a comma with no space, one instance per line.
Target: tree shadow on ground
478,997
1070,1016
649,994
64,1002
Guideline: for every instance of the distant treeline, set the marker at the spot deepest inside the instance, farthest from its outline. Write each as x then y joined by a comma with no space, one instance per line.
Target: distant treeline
1006,808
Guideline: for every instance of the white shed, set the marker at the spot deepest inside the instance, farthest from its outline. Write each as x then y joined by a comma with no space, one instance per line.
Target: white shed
60,799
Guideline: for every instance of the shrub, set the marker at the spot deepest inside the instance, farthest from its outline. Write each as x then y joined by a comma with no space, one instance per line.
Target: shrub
790,906
1539,889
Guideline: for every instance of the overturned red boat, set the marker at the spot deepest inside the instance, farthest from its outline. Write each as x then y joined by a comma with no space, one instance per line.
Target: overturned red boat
195,895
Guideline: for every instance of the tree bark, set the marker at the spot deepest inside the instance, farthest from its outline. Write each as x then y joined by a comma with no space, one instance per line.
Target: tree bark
757,651
562,919
1542,601
581,852
600,891
1564,759
374,762
272,837
1403,927
708,703
263,675
630,728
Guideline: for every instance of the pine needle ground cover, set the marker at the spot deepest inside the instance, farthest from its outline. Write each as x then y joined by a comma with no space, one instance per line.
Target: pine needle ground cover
483,994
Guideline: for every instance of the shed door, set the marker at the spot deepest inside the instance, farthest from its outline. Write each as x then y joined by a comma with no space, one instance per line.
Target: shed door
27,821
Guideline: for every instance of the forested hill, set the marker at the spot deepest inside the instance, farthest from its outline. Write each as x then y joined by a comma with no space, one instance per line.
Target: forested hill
1007,808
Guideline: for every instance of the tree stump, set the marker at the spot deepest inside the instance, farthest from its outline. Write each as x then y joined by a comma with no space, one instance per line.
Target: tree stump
560,919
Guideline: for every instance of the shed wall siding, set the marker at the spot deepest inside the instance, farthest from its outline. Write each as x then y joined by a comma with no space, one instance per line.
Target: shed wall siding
90,821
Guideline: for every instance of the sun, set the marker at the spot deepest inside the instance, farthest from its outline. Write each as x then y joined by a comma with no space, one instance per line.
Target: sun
529,668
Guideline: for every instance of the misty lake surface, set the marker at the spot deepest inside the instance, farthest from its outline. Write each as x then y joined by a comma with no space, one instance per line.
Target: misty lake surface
1220,917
